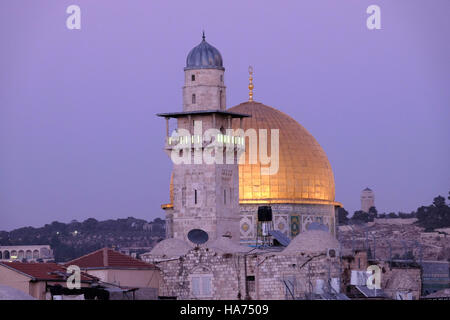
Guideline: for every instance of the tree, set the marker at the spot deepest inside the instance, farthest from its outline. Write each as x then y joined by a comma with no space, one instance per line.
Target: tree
404,215
373,213
392,215
360,217
342,216
434,216
439,202
90,224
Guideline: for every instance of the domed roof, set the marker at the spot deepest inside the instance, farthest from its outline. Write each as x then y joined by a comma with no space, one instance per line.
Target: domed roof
311,241
226,245
204,56
304,174
170,247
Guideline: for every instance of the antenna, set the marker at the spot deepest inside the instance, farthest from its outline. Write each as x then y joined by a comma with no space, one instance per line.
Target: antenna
390,252
197,236
374,247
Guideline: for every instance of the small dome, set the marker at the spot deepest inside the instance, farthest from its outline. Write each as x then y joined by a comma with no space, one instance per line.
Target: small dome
204,56
170,247
311,241
226,245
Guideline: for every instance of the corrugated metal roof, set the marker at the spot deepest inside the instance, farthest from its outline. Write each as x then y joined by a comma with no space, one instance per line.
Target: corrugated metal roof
435,268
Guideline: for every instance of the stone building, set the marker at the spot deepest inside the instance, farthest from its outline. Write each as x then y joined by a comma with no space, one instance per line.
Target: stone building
308,268
121,270
398,280
29,253
205,195
367,199
221,197
300,192
35,278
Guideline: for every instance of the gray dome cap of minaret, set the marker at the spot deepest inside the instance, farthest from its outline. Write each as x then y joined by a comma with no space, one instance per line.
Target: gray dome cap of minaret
204,56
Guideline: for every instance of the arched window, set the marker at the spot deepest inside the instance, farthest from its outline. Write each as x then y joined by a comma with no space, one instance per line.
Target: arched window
193,98
1,255
36,254
193,77
28,255
6,255
201,283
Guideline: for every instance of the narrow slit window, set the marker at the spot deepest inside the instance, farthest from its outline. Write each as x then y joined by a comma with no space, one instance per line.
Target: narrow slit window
193,77
193,98
195,196
224,196
183,196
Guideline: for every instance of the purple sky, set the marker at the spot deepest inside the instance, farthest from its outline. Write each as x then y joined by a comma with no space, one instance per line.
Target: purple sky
78,133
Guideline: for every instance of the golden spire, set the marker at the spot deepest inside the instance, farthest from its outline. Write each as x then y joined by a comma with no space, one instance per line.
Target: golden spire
250,84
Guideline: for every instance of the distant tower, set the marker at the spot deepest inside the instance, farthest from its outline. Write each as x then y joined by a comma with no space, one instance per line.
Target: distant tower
367,199
205,196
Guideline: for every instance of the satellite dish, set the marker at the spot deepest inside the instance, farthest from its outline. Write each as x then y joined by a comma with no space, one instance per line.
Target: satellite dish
197,236
317,226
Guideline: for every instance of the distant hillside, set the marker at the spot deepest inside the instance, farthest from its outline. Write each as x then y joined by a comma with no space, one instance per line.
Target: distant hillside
75,239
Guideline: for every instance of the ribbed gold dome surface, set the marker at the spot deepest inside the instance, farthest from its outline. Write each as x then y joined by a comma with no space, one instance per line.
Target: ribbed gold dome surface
304,175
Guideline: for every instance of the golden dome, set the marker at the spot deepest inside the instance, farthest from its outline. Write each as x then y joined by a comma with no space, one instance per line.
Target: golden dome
304,174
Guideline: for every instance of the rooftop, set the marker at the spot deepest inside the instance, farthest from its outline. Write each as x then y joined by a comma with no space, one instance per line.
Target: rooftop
42,271
107,258
170,247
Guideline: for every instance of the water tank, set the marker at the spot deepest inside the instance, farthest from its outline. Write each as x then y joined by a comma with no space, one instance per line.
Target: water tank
265,213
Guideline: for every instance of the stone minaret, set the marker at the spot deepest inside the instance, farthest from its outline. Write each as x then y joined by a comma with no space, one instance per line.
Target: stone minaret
204,87
367,199
205,195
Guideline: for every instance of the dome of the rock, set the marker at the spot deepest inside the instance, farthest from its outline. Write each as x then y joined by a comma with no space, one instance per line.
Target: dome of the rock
304,174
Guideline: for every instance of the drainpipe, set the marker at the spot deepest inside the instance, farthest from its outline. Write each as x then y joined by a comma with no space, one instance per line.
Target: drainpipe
257,278
247,297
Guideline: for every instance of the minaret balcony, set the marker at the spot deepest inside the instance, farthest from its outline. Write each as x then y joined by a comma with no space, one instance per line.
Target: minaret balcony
197,141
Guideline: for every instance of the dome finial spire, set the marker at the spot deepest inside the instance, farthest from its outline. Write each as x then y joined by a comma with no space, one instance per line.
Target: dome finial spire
203,36
250,84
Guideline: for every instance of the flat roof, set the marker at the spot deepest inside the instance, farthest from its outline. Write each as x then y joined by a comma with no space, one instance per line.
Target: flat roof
200,112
